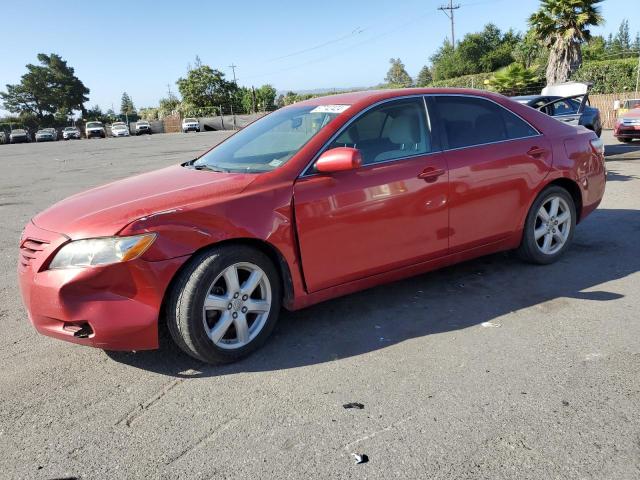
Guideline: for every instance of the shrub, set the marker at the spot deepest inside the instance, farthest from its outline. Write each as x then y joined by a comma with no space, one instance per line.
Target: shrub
609,76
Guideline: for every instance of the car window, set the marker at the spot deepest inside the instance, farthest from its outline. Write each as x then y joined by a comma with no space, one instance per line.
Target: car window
564,107
390,131
468,121
271,141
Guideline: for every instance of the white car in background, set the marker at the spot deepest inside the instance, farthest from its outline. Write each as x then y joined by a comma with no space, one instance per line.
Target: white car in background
119,129
95,129
190,125
70,132
142,126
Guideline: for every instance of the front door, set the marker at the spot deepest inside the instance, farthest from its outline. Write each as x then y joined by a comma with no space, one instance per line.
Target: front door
389,213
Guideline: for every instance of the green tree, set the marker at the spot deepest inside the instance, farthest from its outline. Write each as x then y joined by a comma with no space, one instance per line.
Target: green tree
126,105
397,76
622,39
205,87
265,98
562,26
513,80
424,77
46,90
168,105
479,52
528,51
595,48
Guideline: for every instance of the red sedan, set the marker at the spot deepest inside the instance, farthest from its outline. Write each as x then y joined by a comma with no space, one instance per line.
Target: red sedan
316,200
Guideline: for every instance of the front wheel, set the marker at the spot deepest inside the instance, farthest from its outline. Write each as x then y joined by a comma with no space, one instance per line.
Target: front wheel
548,230
224,304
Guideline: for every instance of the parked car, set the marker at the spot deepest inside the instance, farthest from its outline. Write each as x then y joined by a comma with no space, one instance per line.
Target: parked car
190,125
142,126
627,126
46,135
628,105
94,129
568,102
119,129
387,184
4,138
19,135
70,133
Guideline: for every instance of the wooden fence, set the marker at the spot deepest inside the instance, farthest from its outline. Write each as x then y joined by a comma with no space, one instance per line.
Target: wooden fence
604,103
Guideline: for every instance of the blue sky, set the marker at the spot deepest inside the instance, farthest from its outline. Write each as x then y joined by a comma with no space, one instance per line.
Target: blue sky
141,46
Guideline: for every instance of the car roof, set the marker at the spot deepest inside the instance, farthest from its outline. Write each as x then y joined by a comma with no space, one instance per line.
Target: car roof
366,97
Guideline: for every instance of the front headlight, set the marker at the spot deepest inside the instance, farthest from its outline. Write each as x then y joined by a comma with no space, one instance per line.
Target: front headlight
101,251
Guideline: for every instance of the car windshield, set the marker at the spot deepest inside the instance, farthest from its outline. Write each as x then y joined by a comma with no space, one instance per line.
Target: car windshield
271,141
190,120
628,104
69,129
94,124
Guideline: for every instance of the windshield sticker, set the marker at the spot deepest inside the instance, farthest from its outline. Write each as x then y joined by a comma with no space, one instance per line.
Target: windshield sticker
275,163
330,109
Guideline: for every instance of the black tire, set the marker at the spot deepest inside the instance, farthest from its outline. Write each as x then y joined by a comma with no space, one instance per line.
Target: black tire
529,249
185,302
625,140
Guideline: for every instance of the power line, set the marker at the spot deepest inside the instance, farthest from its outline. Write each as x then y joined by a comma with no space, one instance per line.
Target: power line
451,8
355,31
343,50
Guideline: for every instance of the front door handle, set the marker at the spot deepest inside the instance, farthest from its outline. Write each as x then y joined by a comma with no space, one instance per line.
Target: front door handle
431,174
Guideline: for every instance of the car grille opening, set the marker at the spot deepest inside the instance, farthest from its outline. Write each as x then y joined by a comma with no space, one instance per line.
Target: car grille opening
79,329
30,249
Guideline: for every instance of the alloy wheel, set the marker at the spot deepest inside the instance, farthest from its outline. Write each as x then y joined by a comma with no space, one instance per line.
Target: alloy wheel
237,305
552,225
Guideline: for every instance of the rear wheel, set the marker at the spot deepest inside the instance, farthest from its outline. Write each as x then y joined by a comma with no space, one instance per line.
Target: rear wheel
224,304
548,230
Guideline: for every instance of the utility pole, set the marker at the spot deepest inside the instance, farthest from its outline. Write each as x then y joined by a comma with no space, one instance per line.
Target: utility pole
233,69
638,74
448,11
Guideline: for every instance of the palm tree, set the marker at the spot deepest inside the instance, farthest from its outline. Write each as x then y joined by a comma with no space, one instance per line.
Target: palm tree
562,26
516,79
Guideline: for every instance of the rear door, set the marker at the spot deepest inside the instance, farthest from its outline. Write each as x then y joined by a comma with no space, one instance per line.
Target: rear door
389,213
496,160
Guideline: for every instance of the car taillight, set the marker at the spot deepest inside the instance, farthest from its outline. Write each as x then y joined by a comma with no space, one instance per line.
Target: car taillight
597,145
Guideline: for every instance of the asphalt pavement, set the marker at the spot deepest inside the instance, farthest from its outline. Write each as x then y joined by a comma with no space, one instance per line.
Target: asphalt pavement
492,369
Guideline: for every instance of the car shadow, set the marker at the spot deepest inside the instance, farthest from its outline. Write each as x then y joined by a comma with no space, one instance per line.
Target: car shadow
622,151
459,297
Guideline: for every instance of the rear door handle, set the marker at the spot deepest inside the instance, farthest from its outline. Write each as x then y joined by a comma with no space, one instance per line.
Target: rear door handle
536,152
431,174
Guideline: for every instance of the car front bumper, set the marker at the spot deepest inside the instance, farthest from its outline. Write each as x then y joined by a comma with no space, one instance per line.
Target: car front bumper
191,128
113,307
95,133
627,131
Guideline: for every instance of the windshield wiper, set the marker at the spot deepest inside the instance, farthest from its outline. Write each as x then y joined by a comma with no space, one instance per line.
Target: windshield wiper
210,168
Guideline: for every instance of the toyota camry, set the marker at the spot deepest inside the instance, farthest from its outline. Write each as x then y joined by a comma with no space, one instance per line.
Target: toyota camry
315,200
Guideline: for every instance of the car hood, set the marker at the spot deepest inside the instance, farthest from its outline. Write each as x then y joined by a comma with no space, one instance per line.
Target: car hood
105,210
633,113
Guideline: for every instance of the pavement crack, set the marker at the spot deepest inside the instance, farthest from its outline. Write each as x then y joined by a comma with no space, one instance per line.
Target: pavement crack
203,439
378,432
133,415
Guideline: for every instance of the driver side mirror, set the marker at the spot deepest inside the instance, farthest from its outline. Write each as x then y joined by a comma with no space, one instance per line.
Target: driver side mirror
339,159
